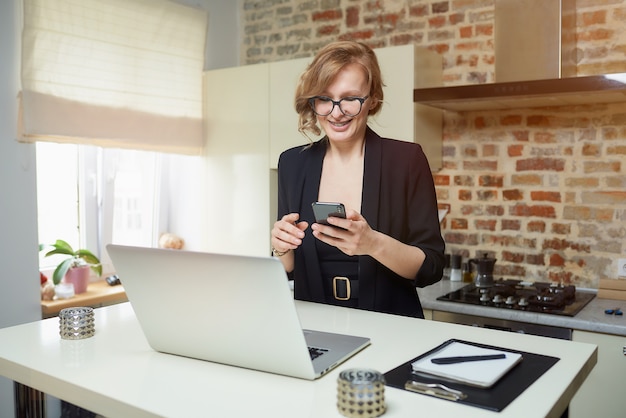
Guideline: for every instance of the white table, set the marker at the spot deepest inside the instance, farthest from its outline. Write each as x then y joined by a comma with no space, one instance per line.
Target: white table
115,373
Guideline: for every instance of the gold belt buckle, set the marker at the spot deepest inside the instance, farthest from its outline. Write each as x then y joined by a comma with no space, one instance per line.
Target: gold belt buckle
341,278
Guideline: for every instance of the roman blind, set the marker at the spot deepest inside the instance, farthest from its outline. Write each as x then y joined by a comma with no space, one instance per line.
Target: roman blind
114,73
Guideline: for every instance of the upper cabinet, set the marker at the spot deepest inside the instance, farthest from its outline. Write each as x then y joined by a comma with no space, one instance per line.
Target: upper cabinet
610,88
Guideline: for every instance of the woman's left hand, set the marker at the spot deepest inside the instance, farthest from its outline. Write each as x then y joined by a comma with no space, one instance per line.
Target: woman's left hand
351,235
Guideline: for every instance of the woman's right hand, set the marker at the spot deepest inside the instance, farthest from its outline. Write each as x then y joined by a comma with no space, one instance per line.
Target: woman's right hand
287,233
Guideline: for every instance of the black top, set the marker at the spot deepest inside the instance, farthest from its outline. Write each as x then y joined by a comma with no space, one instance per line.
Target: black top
398,200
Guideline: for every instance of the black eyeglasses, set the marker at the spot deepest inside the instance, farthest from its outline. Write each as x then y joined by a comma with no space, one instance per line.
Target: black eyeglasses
349,106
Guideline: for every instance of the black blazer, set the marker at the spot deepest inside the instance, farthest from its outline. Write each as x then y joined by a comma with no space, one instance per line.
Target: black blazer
398,200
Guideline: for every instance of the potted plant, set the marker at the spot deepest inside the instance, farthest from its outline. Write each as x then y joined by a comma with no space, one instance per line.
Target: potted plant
74,269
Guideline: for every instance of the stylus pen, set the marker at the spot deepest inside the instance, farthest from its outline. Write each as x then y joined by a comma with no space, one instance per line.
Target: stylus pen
463,359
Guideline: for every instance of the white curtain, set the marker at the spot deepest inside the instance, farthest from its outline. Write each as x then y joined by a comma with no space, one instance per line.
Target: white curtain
116,73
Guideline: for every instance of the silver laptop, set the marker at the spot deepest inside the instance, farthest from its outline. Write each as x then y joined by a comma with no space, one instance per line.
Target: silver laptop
229,309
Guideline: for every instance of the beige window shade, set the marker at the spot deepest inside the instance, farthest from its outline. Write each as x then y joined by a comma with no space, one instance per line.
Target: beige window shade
116,73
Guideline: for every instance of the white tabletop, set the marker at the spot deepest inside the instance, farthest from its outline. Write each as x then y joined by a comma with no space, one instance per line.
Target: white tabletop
116,373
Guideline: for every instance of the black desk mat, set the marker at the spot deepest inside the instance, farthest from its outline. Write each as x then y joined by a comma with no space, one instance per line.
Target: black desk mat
495,398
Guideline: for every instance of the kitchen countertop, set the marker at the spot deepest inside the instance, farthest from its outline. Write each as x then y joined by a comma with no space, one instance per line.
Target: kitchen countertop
116,373
591,318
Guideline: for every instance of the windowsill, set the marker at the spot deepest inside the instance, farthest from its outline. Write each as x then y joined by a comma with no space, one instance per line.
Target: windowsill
98,294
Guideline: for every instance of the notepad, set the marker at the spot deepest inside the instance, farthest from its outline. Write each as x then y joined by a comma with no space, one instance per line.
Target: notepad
476,373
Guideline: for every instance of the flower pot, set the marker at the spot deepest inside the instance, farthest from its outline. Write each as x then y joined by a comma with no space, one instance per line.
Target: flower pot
79,277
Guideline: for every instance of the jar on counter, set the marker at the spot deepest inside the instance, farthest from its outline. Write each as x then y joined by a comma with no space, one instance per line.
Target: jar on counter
455,268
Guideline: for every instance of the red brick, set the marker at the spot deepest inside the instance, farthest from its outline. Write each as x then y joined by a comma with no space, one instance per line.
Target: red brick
327,15
556,261
487,225
602,166
480,165
510,225
486,195
326,30
592,18
490,181
420,10
458,223
466,32
352,17
536,226
595,35
515,150
535,259
437,22
545,196
441,180
465,195
526,179
562,244
513,194
485,30
592,150
561,229
540,211
512,257
456,18
540,164
463,180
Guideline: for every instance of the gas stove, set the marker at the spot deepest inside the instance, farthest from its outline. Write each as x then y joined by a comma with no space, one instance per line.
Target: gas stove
541,297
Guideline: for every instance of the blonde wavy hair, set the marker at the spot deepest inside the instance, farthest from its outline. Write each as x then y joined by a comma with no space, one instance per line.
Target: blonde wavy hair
322,71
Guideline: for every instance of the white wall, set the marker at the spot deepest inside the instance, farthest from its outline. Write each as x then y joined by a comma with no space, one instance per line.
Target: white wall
19,281
189,194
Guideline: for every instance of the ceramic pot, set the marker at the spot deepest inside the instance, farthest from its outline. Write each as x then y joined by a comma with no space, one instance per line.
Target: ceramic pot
79,277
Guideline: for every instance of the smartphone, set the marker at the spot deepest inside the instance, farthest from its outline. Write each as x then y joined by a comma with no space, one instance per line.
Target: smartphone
322,210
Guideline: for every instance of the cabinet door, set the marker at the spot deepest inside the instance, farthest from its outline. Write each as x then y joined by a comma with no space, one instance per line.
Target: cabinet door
283,78
405,68
236,152
602,393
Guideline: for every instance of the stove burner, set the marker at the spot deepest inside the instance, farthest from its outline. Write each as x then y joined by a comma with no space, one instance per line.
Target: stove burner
533,297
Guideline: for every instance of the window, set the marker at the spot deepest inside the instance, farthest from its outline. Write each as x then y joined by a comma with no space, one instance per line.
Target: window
91,196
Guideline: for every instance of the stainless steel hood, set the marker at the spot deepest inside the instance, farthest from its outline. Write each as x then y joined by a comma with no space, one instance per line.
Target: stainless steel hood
535,64
609,88
534,39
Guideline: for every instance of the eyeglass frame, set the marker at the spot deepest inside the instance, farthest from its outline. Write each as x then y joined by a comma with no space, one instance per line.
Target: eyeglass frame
337,103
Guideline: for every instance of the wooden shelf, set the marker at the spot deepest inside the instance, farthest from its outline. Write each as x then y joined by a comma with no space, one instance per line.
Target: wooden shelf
610,88
98,294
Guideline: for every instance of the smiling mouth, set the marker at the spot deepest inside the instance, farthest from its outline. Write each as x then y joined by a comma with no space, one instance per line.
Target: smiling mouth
340,124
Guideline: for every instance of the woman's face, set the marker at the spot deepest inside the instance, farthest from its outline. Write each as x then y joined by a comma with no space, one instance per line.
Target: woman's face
351,81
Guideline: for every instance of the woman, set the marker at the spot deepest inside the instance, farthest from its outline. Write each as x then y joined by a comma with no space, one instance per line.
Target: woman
390,241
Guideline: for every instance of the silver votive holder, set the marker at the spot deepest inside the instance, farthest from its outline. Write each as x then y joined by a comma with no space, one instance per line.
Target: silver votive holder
76,323
361,393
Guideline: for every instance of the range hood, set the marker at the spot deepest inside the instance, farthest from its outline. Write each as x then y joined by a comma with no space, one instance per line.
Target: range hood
609,88
535,64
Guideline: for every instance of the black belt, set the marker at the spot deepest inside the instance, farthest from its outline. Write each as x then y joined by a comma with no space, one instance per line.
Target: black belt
344,288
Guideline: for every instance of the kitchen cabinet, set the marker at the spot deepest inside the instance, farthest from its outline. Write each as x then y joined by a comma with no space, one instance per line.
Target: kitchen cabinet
428,314
602,394
250,119
236,158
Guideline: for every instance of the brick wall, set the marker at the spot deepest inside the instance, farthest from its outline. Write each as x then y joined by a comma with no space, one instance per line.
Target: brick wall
543,190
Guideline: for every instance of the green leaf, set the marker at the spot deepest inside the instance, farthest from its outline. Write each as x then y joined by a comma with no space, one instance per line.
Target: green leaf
60,271
61,247
88,256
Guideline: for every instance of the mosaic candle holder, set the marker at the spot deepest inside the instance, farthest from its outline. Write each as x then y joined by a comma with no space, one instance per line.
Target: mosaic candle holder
76,323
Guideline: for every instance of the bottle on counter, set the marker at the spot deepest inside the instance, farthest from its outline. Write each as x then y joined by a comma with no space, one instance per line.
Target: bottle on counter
455,268
467,273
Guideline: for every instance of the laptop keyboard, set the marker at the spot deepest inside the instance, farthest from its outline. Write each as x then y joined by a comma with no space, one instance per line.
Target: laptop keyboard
315,352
